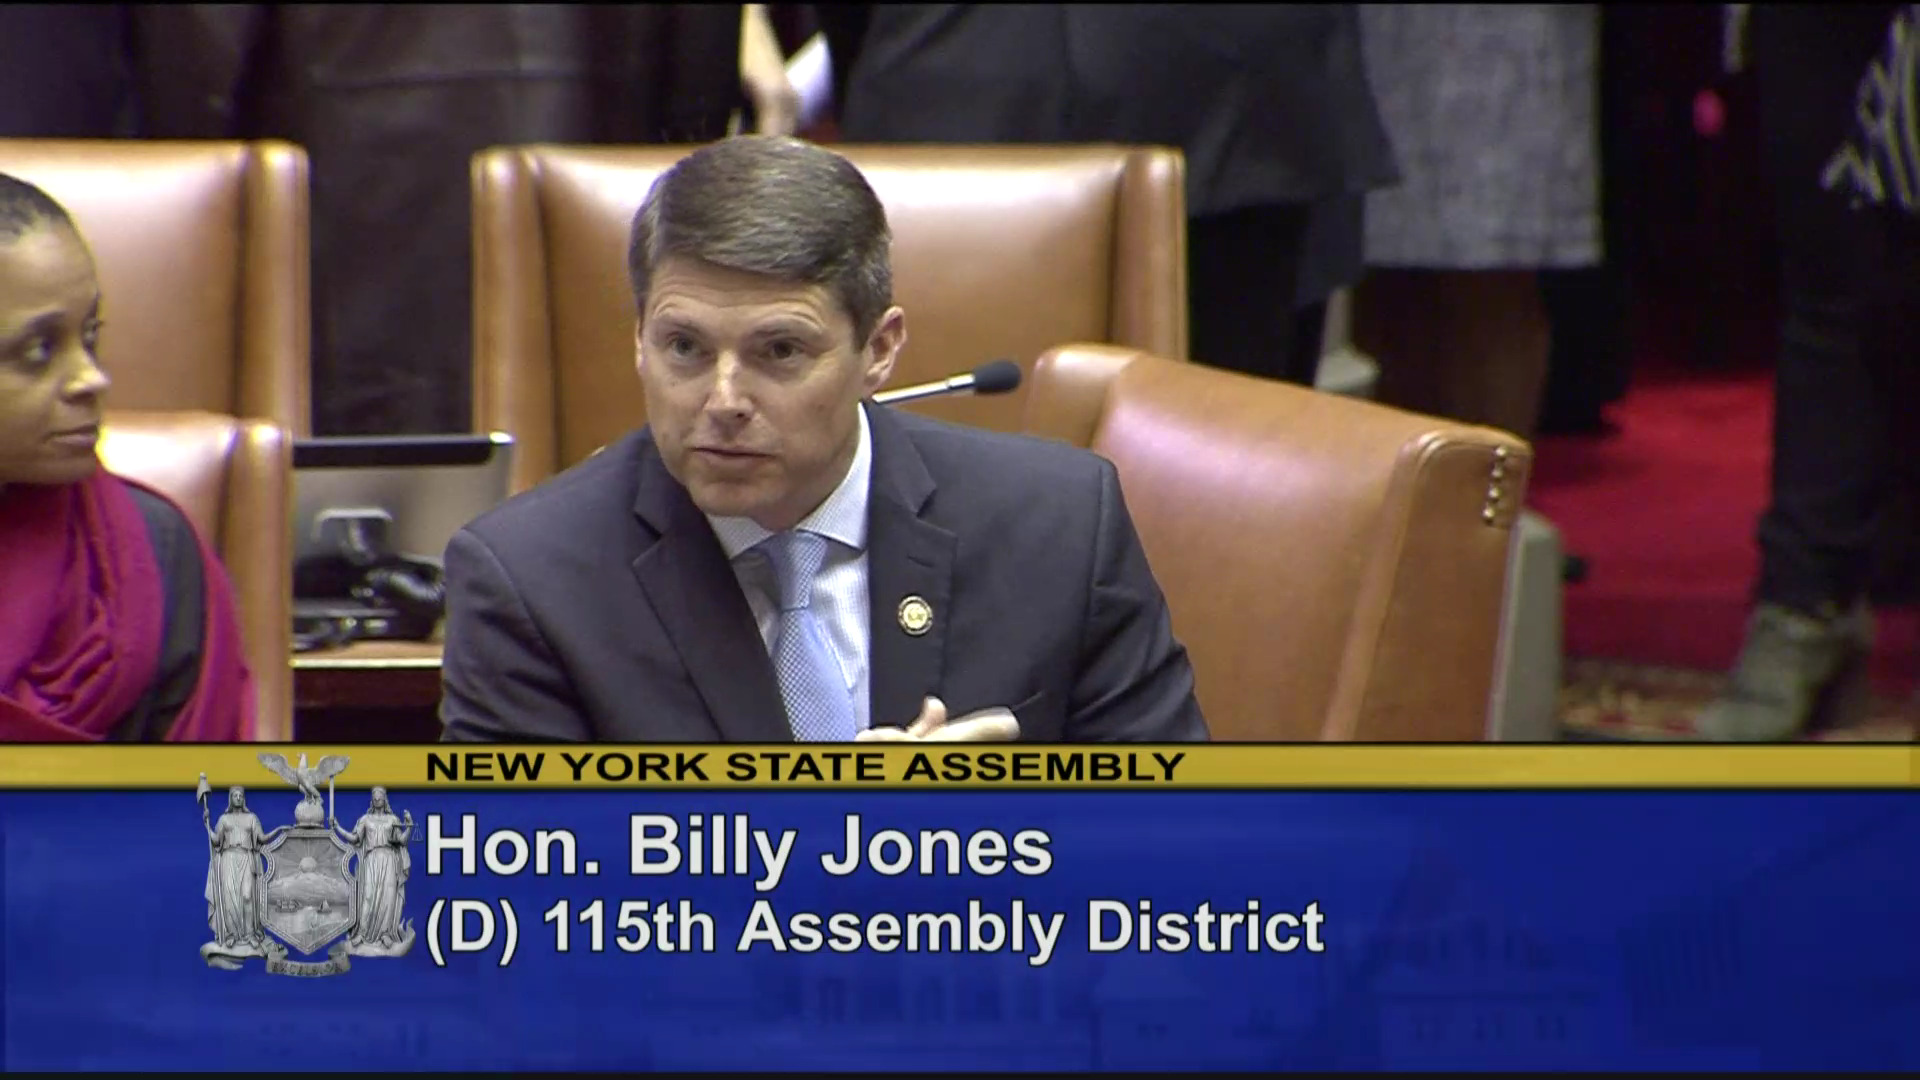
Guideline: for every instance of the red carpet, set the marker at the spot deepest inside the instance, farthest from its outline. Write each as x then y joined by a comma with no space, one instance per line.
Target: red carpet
1664,510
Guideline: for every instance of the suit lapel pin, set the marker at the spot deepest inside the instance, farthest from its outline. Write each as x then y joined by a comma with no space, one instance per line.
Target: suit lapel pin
916,616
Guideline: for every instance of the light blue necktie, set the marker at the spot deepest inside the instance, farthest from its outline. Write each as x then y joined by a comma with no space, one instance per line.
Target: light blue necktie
819,706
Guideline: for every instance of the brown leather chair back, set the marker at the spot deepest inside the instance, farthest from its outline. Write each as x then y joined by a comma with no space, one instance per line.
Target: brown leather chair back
201,248
233,478
1335,568
998,252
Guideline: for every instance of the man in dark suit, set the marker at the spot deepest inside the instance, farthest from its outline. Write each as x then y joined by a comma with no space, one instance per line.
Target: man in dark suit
773,557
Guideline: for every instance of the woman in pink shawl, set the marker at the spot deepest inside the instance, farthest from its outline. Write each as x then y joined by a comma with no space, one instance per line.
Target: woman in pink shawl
116,619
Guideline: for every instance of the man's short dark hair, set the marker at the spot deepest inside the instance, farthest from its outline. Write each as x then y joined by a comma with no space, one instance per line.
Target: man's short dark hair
24,207
770,205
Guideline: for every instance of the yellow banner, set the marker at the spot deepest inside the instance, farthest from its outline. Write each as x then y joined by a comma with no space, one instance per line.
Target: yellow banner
1142,768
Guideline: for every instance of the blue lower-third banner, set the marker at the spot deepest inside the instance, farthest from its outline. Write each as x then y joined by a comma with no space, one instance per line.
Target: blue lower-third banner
276,929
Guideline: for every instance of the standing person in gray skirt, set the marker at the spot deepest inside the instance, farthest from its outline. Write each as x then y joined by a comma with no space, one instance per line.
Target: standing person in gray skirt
1492,113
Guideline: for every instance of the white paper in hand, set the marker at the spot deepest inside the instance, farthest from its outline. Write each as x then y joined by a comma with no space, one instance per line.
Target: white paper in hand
987,725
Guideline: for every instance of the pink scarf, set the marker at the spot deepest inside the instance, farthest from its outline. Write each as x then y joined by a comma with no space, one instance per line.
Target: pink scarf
82,610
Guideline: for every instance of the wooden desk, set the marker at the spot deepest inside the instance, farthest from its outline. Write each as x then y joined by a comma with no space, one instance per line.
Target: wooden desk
369,692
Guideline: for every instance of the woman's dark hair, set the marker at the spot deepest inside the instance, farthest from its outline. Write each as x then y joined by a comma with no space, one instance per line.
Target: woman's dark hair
24,207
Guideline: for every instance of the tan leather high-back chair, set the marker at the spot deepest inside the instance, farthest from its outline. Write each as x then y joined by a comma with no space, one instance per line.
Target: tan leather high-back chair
233,479
201,250
1335,568
997,252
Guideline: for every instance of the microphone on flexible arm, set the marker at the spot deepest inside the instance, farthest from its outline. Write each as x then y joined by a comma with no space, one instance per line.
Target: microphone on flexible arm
992,377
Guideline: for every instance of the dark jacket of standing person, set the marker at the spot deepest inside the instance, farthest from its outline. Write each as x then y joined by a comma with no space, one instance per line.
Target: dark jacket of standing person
64,71
1269,103
391,101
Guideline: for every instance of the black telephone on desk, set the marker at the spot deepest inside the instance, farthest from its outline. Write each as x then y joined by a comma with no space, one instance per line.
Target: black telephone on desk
357,588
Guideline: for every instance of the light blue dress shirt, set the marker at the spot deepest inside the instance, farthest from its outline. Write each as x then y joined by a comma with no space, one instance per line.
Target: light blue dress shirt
840,589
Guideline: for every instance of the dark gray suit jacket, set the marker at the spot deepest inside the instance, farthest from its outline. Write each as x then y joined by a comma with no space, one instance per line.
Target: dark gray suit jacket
600,606
1269,102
